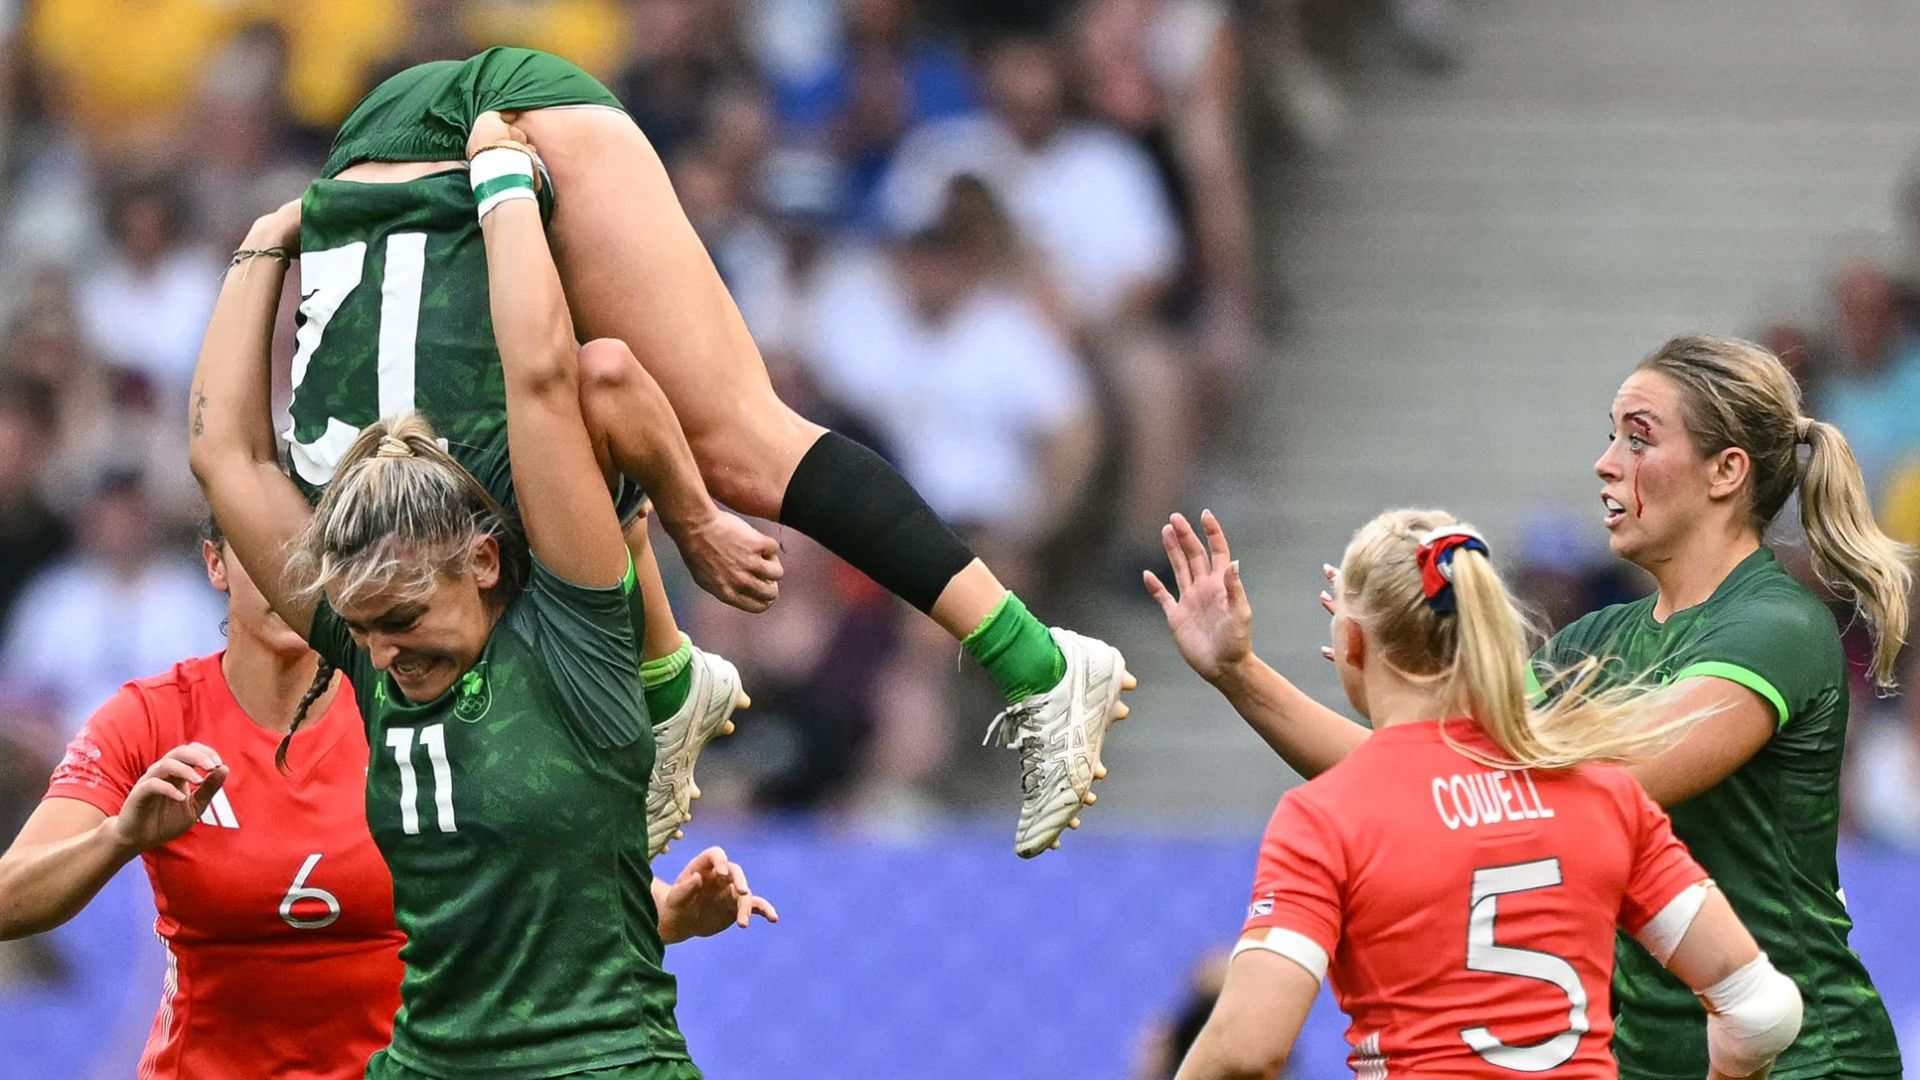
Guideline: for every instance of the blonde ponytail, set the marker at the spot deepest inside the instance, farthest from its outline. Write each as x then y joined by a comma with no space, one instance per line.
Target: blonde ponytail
1851,553
1737,393
399,513
1477,651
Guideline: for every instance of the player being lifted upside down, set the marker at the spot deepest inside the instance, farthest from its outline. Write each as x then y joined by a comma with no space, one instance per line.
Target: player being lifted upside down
496,667
381,272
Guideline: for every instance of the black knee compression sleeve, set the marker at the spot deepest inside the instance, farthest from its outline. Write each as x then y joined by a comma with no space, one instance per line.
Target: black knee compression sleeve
850,500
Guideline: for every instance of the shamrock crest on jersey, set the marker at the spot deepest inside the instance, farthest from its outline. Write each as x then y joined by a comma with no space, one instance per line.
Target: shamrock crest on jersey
476,697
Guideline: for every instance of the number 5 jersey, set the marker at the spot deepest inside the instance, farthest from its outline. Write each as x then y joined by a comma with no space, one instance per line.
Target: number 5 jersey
276,910
1466,914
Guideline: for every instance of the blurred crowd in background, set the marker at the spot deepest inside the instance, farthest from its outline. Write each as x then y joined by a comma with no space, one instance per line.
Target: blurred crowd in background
1009,244
1006,243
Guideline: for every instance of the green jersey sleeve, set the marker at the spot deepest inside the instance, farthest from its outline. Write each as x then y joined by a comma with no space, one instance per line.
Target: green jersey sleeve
587,638
330,638
1771,650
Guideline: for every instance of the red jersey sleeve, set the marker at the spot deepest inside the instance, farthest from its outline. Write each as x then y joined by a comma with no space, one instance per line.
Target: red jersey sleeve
1663,868
109,755
1301,876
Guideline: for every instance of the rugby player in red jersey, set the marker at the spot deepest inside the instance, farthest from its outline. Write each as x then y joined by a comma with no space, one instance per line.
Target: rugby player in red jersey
278,904
1461,874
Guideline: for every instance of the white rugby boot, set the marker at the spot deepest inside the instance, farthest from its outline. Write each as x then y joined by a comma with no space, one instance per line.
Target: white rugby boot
706,715
1059,734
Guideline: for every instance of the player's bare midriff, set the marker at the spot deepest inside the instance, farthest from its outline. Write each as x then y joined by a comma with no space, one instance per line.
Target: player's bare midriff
396,172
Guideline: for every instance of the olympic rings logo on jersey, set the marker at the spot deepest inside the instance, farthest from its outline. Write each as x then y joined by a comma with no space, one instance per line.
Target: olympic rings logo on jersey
476,696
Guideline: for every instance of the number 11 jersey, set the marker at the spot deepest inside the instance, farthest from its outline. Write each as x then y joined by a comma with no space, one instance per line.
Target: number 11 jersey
1466,914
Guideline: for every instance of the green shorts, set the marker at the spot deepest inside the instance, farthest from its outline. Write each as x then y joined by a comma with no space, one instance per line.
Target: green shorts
425,112
383,1067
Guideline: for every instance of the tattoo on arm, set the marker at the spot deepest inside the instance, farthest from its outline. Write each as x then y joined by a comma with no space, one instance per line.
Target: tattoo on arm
199,411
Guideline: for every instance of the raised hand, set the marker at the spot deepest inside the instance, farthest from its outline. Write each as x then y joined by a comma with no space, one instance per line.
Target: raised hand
169,797
1211,620
493,127
710,895
731,560
279,228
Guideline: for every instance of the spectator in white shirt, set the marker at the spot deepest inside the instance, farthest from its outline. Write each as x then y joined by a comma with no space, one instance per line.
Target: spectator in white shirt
1092,203
1089,198
981,396
145,309
121,609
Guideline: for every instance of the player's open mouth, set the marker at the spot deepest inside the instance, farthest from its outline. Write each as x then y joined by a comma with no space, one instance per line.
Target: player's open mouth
411,671
1616,510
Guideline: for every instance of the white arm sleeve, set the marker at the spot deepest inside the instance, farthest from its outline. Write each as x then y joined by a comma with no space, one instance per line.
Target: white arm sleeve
1753,1014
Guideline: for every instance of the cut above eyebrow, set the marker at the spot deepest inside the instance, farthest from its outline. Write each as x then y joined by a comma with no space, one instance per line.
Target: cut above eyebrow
1646,417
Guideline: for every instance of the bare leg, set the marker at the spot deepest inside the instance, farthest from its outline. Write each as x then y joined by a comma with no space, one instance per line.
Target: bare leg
636,271
636,433
968,599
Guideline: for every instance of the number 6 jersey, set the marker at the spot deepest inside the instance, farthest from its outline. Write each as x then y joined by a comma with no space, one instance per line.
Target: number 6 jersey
1465,914
275,910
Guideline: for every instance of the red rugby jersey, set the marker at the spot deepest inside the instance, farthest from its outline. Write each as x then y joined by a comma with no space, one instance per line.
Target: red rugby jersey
1468,913
276,910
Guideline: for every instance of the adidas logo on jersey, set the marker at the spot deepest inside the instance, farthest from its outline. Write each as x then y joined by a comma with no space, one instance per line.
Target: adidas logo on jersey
219,812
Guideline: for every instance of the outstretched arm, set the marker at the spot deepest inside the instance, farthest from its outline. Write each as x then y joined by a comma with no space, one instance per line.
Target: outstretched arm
709,896
68,850
230,422
1212,624
569,516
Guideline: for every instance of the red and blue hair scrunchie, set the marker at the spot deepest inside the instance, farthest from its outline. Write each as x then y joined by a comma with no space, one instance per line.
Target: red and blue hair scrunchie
1435,556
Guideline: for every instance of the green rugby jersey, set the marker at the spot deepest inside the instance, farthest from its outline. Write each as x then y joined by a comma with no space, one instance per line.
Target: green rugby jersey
1767,833
394,316
507,810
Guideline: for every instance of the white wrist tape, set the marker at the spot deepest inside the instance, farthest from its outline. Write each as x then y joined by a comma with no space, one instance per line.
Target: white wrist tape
1753,1014
499,175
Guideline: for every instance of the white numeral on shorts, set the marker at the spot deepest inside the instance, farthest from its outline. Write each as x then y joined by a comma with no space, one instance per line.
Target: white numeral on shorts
326,279
1483,955
434,738
302,891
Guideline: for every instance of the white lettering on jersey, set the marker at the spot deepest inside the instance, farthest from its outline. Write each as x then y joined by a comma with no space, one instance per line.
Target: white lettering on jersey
1487,798
219,812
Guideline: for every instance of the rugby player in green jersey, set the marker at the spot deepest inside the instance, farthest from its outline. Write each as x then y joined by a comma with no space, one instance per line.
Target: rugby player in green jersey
1705,449
634,270
498,677
394,318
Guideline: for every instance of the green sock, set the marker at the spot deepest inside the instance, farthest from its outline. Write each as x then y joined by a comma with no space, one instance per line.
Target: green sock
1016,650
668,680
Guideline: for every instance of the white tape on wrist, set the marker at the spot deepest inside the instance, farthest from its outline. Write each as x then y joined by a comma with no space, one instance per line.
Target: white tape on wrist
499,175
1753,1014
